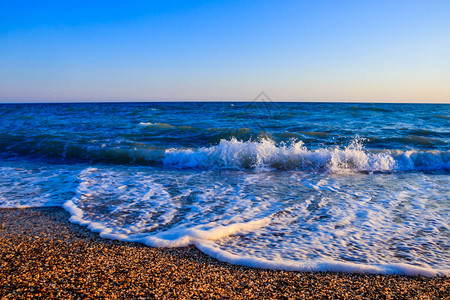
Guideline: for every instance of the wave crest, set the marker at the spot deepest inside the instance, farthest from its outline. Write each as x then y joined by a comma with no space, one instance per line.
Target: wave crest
265,154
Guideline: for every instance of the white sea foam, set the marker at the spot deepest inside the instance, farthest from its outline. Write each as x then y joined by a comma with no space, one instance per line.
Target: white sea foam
191,236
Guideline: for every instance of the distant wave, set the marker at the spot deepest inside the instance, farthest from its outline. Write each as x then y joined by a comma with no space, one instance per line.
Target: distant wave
156,125
445,117
369,108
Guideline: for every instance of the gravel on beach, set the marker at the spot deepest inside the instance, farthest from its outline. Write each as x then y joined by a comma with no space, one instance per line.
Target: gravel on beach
43,255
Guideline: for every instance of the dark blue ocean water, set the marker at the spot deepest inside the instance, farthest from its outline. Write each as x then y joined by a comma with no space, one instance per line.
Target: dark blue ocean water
302,186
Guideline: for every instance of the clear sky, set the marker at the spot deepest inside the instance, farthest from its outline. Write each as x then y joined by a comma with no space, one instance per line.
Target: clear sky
361,50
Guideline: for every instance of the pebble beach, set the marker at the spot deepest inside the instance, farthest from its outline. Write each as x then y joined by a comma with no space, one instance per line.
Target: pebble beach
43,255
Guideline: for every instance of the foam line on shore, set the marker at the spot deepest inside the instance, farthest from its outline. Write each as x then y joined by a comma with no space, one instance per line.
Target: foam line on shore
318,266
202,239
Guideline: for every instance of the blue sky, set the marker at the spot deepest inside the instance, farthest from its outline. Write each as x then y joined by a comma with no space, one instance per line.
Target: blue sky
224,50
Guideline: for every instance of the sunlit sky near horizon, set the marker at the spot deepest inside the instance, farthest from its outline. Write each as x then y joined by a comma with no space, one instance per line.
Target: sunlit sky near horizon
370,51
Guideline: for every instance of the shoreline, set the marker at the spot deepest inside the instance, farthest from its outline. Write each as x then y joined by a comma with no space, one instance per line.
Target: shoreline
43,254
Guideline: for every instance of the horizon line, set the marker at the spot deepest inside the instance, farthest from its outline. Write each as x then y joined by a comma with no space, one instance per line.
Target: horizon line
218,101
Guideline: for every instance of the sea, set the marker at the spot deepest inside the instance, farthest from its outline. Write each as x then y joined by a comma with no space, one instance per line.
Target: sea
341,187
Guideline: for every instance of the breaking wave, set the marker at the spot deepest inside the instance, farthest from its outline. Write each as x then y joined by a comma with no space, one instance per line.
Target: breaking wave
266,154
232,154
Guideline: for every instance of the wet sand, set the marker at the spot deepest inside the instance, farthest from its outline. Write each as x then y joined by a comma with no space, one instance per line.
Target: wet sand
43,255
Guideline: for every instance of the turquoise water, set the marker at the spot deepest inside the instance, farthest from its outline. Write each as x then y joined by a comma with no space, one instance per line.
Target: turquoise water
300,186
